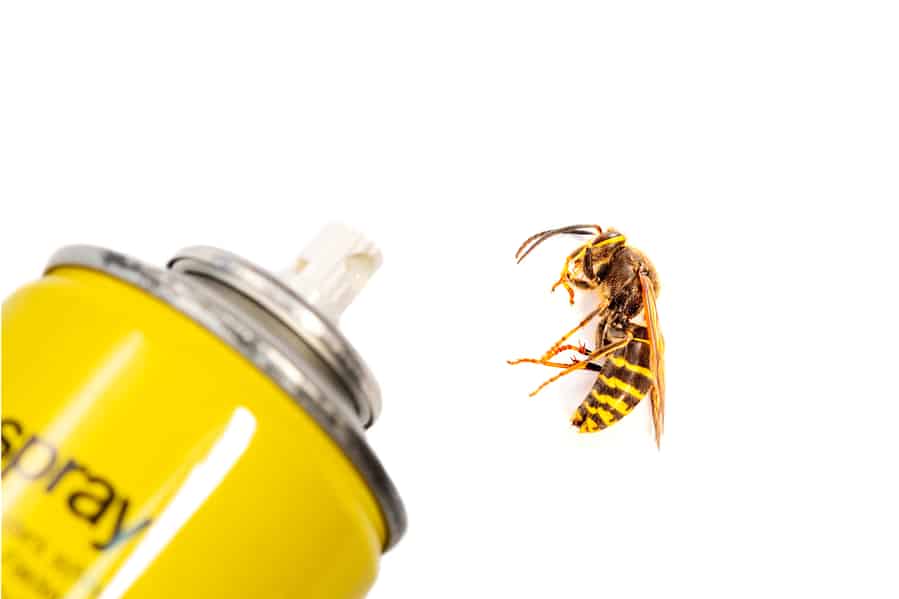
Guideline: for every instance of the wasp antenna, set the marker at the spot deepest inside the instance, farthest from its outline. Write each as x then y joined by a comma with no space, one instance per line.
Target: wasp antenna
539,238
528,240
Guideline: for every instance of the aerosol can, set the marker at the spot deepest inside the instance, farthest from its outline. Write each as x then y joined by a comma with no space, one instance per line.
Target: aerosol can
191,431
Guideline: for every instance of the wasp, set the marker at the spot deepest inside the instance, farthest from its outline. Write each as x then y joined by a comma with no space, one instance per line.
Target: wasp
629,353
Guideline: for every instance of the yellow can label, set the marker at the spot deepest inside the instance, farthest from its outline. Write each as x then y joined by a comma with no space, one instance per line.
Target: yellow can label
32,462
144,458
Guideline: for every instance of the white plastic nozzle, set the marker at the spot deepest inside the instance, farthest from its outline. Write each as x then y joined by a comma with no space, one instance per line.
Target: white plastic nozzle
333,269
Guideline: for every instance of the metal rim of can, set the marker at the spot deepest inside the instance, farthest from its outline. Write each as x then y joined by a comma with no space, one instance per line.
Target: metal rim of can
295,313
311,391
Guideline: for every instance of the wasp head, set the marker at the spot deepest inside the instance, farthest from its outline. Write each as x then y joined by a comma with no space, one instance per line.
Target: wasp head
586,267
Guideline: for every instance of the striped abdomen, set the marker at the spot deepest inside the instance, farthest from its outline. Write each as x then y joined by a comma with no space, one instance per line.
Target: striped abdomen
624,379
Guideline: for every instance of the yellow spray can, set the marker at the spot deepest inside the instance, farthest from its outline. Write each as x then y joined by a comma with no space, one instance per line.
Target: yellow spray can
193,431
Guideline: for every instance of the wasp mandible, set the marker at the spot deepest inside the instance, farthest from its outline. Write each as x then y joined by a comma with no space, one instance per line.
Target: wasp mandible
629,354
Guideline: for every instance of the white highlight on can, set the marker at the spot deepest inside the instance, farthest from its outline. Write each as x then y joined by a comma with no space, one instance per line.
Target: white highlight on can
202,480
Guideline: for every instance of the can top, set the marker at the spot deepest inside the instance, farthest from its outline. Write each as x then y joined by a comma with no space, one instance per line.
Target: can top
208,290
307,300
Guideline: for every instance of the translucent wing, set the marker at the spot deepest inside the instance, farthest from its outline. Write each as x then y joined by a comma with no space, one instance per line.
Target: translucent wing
656,356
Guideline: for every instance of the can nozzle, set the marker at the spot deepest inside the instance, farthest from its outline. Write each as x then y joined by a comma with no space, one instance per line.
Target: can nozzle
333,269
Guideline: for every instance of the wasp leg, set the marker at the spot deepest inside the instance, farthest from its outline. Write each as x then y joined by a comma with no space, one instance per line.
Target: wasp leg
533,361
563,282
567,287
558,346
591,366
581,349
552,350
582,364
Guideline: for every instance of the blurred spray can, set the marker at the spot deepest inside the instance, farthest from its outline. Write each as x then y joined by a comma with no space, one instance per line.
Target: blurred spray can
195,431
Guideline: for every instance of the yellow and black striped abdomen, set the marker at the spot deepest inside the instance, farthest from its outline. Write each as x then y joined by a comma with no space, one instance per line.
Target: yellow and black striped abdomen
624,379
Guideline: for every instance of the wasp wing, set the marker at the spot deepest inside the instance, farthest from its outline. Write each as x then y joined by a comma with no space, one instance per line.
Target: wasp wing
656,356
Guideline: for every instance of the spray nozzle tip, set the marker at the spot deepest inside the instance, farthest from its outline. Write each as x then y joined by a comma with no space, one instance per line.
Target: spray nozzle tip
333,268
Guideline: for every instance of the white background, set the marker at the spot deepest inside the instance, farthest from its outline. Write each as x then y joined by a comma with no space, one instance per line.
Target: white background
751,149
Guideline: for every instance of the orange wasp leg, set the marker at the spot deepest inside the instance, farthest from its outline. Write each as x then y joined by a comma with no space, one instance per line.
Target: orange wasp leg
563,282
533,361
558,346
552,350
581,349
563,278
591,366
582,364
